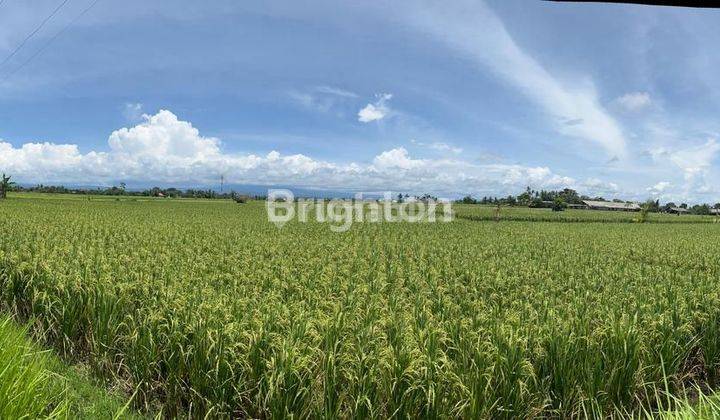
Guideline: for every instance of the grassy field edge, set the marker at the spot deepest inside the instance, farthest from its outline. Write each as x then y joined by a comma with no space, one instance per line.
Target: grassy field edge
35,383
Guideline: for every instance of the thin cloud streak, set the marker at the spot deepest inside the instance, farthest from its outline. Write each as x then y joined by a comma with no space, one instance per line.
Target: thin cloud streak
474,31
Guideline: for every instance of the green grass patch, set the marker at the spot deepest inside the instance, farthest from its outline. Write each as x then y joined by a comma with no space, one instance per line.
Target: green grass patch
28,388
35,384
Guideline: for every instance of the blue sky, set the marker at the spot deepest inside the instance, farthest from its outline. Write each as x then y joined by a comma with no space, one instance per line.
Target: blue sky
453,98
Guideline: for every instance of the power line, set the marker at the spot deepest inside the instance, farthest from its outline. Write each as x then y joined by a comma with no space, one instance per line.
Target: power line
50,41
19,47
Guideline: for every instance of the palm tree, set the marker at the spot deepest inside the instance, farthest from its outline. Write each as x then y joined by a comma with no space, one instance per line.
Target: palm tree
5,185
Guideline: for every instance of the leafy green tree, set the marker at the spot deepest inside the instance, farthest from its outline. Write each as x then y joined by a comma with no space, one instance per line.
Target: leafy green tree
669,206
526,197
559,204
5,185
652,206
570,196
702,210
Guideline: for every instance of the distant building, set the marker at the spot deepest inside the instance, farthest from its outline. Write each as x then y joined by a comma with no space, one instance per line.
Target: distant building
715,212
678,210
577,206
611,206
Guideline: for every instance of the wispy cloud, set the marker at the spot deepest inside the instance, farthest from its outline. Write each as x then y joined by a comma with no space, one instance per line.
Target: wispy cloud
599,186
321,98
336,91
133,112
692,160
439,146
695,163
659,188
634,101
473,30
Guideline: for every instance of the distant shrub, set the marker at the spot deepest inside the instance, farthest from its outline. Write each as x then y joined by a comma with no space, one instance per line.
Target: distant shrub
241,199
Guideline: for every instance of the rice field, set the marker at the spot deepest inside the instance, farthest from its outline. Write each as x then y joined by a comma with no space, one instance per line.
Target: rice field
490,213
207,310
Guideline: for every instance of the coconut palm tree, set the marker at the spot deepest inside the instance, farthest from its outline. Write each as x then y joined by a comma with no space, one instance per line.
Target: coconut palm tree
5,185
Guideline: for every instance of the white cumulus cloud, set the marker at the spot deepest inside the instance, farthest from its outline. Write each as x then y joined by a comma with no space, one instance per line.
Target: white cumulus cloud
164,149
375,111
163,135
396,158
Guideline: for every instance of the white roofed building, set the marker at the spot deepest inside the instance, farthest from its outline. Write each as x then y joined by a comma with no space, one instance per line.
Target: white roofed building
611,206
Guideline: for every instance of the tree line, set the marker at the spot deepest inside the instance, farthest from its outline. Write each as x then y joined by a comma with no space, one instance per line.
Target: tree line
558,200
121,190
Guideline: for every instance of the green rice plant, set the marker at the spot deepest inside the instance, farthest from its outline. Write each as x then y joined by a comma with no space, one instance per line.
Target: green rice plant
701,408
